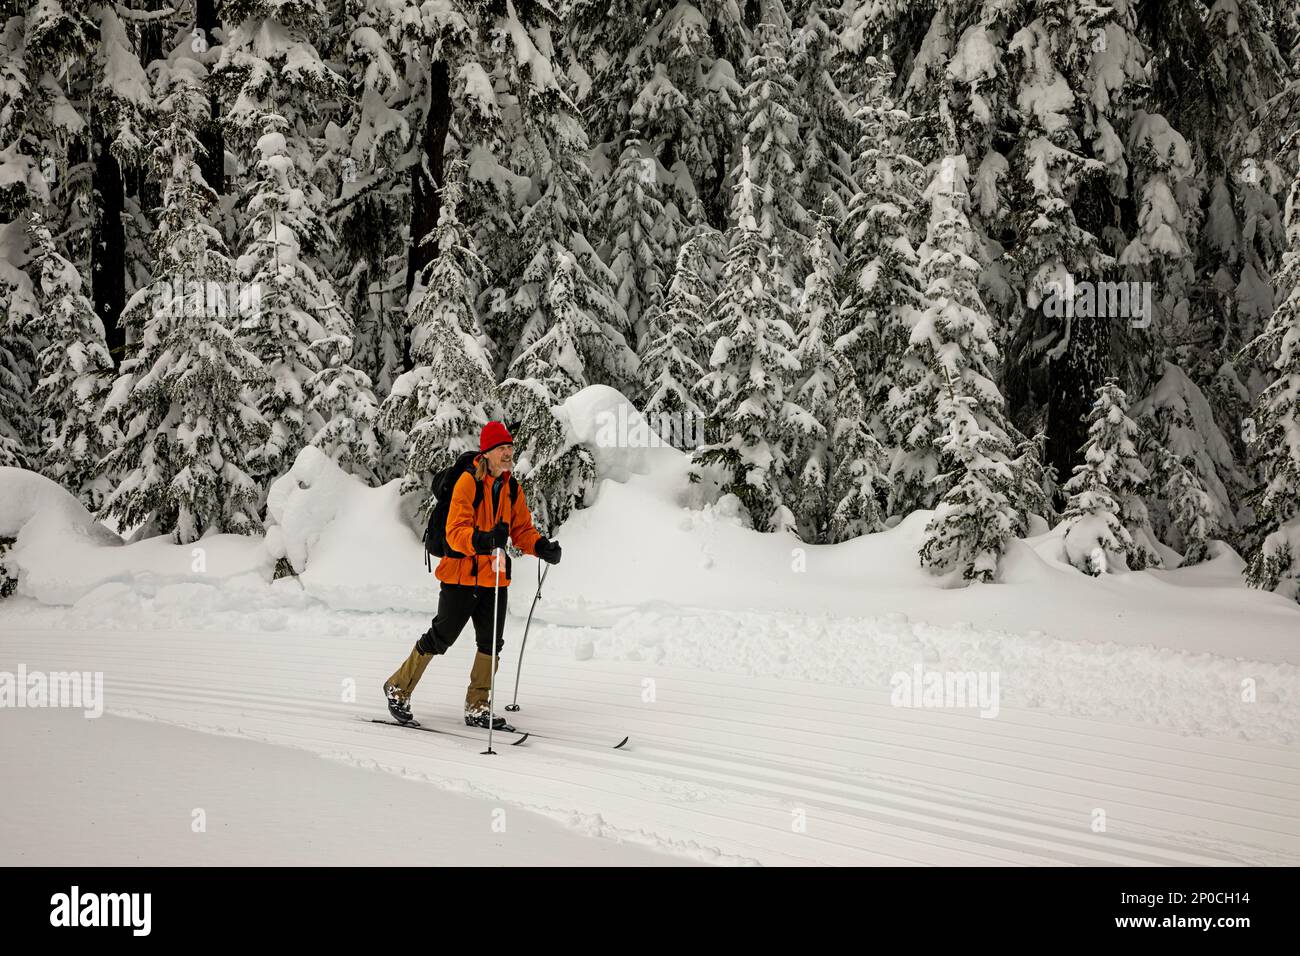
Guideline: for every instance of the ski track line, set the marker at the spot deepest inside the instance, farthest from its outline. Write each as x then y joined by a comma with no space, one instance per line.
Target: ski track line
1127,731
768,779
540,731
291,714
928,827
542,728
847,852
966,739
891,714
977,743
314,701
1134,733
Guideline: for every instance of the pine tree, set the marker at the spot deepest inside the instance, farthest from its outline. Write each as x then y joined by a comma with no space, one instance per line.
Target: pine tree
557,471
948,398
388,102
343,398
950,353
269,63
638,251
859,484
670,369
771,128
36,45
882,281
840,465
978,514
1105,518
1181,432
1192,511
816,390
1275,566
184,398
75,374
670,71
753,364
824,80
295,300
17,368
1215,86
444,401
562,310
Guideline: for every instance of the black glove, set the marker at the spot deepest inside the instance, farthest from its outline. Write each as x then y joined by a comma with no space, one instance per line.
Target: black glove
548,551
486,541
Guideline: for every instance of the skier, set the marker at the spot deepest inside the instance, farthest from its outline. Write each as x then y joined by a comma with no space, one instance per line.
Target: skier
469,581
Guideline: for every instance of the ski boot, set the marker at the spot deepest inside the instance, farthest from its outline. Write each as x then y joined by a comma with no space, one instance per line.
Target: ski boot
399,706
480,719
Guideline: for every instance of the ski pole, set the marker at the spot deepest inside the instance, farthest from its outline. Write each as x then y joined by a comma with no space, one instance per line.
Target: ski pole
497,560
513,706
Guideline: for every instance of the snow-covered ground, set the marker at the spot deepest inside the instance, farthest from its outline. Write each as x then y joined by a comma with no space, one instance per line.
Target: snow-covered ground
1151,717
113,792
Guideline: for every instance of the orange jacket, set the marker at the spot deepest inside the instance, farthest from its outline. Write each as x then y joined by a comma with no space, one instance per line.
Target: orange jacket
463,521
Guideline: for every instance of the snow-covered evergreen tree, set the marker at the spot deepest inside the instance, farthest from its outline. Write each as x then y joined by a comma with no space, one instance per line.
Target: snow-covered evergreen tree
1106,523
74,376
882,285
1275,566
270,63
1192,511
295,301
1183,434
978,514
825,78
388,99
950,354
771,130
444,401
185,397
821,373
859,483
841,470
38,43
343,398
556,470
562,312
671,370
17,431
633,227
671,71
754,417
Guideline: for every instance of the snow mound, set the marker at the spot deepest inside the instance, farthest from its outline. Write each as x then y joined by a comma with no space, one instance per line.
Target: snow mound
47,524
618,435
61,554
351,545
30,500
302,502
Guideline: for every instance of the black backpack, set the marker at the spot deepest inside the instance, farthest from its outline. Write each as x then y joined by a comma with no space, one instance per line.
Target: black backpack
444,483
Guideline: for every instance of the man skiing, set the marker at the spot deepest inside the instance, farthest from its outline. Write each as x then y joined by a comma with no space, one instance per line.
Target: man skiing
469,578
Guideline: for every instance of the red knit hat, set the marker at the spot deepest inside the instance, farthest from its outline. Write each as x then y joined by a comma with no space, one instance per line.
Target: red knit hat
494,434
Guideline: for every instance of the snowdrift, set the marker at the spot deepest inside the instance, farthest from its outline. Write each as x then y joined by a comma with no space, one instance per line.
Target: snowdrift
352,546
61,554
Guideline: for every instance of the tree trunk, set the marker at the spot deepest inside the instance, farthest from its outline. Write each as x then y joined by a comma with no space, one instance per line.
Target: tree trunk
1075,377
426,181
427,176
212,164
108,248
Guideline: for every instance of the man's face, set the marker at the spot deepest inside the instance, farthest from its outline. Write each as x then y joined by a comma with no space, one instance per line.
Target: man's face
501,458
